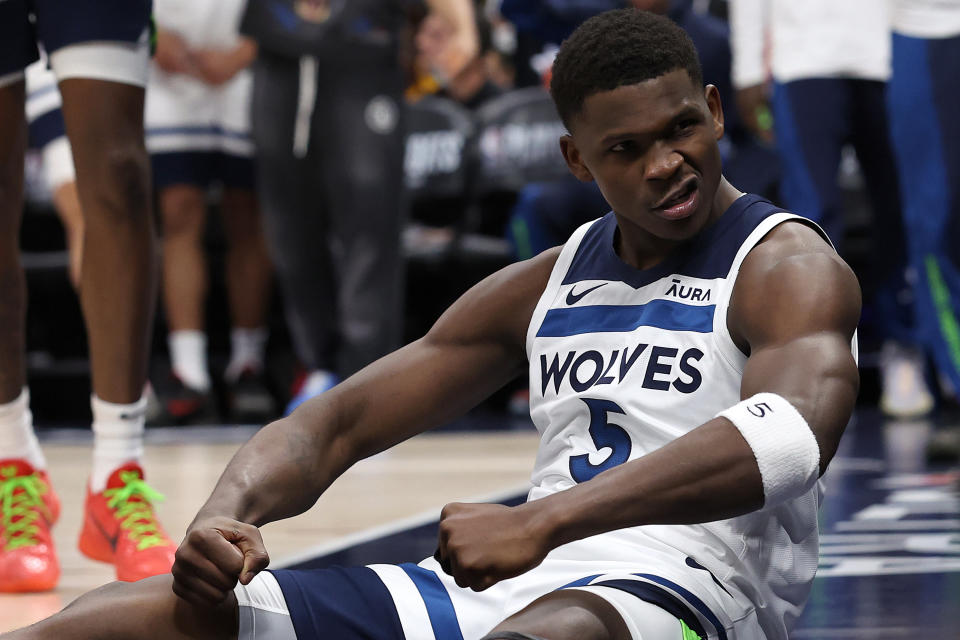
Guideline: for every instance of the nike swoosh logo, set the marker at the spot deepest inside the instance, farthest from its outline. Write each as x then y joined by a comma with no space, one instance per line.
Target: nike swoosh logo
111,539
573,298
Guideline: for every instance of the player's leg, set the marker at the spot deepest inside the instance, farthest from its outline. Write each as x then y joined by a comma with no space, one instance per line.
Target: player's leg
28,561
13,138
144,609
902,361
597,613
926,137
568,614
363,178
249,275
100,59
810,120
183,209
294,211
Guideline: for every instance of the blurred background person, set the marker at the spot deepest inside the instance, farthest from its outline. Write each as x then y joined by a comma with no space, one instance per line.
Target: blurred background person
328,126
198,136
924,102
48,135
829,63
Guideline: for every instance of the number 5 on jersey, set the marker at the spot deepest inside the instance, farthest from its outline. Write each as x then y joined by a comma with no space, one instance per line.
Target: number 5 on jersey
604,434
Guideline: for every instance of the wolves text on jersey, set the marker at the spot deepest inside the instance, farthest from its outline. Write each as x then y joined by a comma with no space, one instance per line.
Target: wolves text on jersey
663,370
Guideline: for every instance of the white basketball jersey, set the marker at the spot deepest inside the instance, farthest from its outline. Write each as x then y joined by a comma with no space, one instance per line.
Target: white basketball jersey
622,361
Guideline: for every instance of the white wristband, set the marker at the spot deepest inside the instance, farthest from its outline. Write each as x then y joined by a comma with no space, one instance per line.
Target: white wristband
786,450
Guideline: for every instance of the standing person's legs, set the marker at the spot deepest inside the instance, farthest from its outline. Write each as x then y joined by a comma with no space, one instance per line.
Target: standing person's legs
905,393
28,561
924,100
294,210
249,275
811,124
363,166
13,135
183,208
101,83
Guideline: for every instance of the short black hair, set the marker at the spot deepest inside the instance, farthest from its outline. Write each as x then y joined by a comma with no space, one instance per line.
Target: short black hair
618,48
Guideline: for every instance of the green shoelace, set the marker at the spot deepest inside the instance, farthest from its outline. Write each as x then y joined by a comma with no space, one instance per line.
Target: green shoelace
136,515
21,503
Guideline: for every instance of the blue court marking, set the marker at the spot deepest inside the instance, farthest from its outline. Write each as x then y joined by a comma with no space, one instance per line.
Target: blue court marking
692,599
443,617
662,314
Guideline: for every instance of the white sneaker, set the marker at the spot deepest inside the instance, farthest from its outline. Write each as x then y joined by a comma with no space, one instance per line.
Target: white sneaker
905,393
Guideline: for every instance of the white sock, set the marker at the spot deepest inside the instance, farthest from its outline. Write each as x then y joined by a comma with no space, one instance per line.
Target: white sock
247,350
188,357
17,438
117,437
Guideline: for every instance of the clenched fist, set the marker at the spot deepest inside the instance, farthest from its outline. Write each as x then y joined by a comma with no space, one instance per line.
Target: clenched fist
214,555
482,544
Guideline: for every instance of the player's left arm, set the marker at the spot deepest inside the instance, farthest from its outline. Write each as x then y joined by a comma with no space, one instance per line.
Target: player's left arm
794,309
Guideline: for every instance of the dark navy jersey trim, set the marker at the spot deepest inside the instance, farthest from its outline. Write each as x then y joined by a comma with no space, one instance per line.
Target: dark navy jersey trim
662,314
582,582
692,599
343,603
662,598
443,617
707,255
197,130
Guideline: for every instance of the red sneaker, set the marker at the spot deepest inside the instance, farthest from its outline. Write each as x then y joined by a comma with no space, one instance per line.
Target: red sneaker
28,508
119,527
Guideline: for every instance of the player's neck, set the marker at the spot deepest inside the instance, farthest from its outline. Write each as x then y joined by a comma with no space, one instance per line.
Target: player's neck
643,250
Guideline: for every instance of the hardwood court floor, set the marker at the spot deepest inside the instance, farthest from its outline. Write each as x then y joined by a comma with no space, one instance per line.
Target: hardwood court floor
416,478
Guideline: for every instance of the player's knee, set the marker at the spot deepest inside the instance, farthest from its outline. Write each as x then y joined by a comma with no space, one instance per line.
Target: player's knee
121,186
510,635
183,210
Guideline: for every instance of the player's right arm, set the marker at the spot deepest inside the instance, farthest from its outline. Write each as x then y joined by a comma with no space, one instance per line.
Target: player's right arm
476,347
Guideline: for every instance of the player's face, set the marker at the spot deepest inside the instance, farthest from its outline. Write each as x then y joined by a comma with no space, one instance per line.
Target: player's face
652,149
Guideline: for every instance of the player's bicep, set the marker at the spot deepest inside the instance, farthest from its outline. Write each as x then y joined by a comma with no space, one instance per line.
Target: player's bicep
798,316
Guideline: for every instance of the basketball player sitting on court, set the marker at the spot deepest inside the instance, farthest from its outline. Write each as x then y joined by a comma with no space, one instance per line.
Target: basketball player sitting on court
692,368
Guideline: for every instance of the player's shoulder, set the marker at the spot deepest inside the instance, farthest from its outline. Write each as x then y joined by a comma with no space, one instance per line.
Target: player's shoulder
795,246
794,278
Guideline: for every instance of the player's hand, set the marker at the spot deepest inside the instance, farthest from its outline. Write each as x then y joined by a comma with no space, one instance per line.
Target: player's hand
754,108
172,54
216,66
214,555
482,544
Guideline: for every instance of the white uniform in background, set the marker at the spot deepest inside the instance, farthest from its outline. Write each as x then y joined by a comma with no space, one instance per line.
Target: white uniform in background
926,18
793,40
45,121
184,114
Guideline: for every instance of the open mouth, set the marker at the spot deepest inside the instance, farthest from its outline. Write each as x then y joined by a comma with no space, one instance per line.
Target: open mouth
682,202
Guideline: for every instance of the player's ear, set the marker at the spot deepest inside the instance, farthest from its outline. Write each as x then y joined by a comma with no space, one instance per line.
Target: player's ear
712,96
574,160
